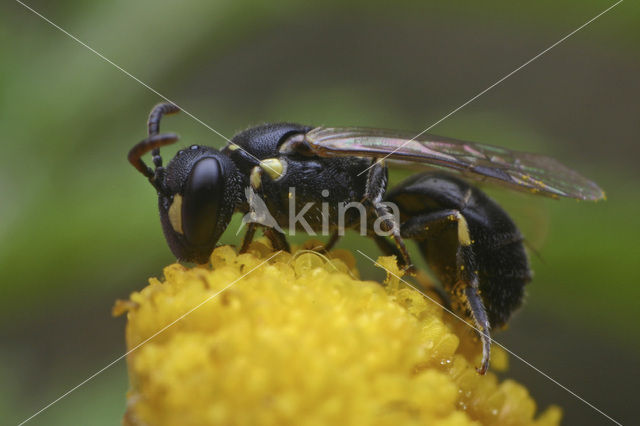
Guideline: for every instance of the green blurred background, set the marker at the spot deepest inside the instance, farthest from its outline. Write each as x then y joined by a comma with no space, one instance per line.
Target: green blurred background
79,226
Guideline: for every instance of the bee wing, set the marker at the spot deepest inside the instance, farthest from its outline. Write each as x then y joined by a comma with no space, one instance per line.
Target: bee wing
520,170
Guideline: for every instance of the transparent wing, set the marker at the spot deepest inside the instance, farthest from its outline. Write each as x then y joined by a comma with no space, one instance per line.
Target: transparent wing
520,170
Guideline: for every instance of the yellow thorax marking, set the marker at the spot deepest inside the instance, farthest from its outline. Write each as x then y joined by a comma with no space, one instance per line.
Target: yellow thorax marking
463,230
175,214
274,167
256,177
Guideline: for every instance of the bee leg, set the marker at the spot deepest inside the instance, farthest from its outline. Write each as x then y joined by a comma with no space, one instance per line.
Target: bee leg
329,245
248,237
387,248
377,178
466,292
255,181
278,239
476,306
260,214
423,282
399,250
402,248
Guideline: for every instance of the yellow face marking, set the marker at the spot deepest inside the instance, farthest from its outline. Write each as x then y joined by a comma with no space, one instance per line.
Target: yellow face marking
175,214
256,177
463,230
232,147
274,167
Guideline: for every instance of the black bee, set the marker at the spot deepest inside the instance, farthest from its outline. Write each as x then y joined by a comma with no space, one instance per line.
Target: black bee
337,179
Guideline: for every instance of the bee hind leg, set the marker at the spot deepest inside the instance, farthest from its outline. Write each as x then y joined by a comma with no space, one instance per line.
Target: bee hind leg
481,322
465,293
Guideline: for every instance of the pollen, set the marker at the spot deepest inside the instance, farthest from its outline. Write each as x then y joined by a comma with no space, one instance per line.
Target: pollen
301,340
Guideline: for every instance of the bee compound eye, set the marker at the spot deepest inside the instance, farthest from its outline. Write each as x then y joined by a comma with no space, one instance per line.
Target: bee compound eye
201,201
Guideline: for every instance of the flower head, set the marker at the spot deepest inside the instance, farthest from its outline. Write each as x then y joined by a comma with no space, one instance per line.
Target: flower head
301,340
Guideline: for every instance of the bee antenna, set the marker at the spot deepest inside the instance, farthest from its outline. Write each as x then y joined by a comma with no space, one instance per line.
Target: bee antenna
141,148
153,143
533,250
153,126
156,114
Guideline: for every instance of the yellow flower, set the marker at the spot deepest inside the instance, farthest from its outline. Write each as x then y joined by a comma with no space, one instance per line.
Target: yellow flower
300,340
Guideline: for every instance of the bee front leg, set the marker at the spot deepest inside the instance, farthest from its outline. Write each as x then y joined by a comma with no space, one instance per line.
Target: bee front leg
278,239
260,215
252,194
248,237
